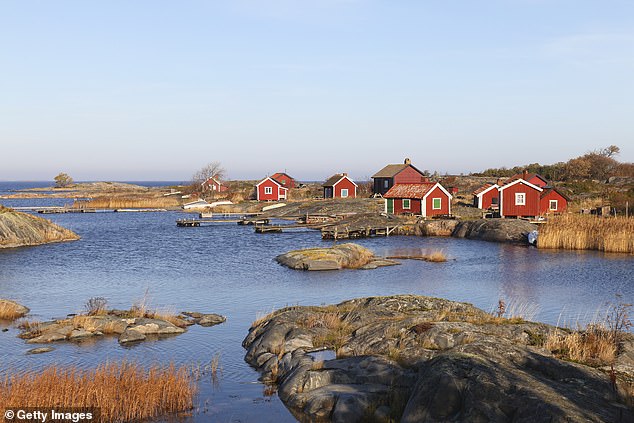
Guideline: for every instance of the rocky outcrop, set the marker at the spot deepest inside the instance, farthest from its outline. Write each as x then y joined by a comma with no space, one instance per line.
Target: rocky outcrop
419,359
10,310
344,256
21,229
127,327
497,230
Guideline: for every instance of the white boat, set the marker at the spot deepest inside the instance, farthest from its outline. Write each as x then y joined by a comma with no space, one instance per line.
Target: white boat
198,204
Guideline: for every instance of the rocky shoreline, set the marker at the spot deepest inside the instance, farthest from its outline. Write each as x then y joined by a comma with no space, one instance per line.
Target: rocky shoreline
420,359
21,229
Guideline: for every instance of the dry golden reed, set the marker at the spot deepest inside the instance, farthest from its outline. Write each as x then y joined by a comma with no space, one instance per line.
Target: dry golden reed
9,311
131,203
122,392
596,346
582,232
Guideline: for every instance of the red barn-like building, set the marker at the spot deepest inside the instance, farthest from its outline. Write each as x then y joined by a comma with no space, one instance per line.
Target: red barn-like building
213,185
426,199
552,201
394,174
340,186
268,189
487,196
520,198
284,180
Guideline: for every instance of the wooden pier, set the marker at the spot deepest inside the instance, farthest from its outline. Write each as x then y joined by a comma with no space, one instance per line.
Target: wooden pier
208,222
263,229
60,210
336,232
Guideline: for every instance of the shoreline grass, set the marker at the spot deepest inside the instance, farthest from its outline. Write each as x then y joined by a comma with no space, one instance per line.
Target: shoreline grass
579,232
121,391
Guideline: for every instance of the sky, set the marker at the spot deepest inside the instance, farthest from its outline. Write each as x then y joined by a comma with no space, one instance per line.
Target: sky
155,90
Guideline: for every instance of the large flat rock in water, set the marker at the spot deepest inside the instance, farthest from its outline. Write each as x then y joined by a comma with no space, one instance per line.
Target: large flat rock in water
21,229
344,256
497,230
420,359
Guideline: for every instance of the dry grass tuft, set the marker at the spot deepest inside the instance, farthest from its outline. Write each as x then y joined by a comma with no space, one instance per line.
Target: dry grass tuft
595,346
580,232
10,311
123,392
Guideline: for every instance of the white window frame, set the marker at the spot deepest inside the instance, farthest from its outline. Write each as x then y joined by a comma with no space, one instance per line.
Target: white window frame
520,198
268,190
409,204
433,203
550,205
386,183
344,192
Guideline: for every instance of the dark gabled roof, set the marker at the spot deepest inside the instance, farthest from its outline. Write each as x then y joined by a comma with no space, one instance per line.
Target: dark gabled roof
548,190
392,170
409,190
332,181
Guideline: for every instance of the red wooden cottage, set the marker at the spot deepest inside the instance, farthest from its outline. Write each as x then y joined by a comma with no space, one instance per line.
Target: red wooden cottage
425,199
532,178
520,198
213,185
284,180
268,189
487,196
552,201
340,186
393,174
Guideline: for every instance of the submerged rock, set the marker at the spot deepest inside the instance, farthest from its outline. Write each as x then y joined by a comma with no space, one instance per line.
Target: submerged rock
202,319
40,350
420,359
21,229
497,230
344,256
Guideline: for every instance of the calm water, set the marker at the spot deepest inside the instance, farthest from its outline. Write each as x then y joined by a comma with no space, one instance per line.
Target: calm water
228,269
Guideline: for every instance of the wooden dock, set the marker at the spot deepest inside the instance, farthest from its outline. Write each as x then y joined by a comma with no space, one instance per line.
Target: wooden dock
60,210
208,222
263,229
336,232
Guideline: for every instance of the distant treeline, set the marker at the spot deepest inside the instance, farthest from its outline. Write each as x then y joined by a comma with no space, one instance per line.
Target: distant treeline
599,164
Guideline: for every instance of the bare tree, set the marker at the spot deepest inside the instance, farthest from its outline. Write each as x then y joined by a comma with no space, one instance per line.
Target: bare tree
610,151
210,170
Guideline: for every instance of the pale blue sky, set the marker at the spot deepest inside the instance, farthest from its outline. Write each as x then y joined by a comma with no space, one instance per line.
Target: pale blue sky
153,90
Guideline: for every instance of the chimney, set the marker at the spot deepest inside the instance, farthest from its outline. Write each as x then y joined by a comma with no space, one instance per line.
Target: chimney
500,182
407,161
525,174
344,174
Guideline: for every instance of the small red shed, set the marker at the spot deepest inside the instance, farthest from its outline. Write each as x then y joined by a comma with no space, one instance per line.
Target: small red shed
284,180
552,201
268,189
213,185
425,199
340,186
487,196
519,198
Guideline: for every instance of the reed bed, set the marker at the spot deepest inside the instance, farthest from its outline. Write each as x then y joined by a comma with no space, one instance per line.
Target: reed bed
579,232
131,203
595,346
122,392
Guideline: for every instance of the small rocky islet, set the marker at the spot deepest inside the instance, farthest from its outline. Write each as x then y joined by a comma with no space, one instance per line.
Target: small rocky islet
19,229
420,359
129,325
343,256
